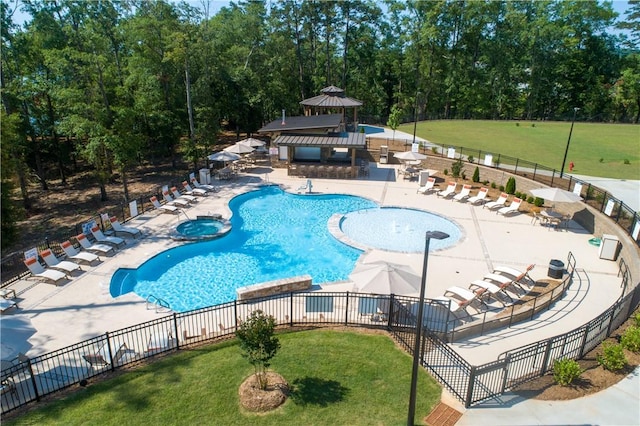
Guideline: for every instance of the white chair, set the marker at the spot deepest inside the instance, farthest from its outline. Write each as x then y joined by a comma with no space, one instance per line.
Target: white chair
513,207
170,201
448,191
498,204
101,238
479,197
178,195
164,208
75,254
117,227
193,191
37,270
428,187
463,194
198,185
61,265
94,248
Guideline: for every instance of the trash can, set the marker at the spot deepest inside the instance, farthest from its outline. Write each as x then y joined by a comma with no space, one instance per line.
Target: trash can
556,269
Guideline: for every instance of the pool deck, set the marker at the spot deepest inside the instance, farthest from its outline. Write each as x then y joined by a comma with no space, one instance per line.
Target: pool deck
82,308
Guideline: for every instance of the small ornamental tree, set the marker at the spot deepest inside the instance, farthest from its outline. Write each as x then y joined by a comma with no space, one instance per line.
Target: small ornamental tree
394,119
511,186
476,175
258,343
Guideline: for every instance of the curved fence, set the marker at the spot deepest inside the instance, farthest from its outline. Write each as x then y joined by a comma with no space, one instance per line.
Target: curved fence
27,380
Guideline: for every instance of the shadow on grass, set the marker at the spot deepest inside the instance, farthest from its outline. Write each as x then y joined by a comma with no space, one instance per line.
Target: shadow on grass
316,391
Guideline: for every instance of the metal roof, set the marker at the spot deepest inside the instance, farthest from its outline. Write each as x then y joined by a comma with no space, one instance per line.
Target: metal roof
301,122
344,140
329,101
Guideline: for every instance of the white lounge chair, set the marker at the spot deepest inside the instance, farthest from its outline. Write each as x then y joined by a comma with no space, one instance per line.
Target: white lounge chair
428,187
5,305
513,207
101,358
517,277
178,195
198,185
101,238
463,194
486,290
94,248
75,254
117,227
170,201
463,296
504,282
53,262
164,208
448,191
193,191
38,271
159,343
479,197
498,204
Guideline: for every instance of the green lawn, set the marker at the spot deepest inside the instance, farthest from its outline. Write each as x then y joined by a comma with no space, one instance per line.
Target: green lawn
338,378
595,149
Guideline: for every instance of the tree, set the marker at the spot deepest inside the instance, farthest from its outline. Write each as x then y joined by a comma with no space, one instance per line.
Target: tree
510,188
394,119
476,175
258,343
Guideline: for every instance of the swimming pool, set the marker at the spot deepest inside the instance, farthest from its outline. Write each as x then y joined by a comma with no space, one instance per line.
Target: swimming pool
275,235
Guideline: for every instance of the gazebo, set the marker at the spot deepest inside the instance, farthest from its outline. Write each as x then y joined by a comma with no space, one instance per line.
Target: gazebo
332,100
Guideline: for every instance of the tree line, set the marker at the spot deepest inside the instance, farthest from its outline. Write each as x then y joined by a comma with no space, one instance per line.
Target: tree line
119,82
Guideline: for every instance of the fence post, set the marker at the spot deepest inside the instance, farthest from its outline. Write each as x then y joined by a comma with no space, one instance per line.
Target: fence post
584,341
391,310
535,170
346,311
547,355
291,309
175,329
515,170
235,313
472,379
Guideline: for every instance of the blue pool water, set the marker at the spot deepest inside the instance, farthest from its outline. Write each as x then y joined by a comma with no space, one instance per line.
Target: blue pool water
398,229
275,235
199,227
369,130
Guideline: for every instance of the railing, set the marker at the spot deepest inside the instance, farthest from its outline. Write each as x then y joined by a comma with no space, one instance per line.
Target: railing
29,380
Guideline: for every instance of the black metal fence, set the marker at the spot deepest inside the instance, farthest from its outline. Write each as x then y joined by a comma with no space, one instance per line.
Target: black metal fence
28,380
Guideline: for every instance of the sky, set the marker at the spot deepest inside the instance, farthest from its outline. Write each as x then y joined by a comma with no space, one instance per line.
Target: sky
619,6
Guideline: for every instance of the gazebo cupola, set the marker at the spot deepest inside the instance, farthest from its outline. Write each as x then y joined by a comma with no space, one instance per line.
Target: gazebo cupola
332,100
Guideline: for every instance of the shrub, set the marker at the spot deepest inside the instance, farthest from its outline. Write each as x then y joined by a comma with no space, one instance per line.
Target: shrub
434,149
631,339
626,161
517,124
464,176
471,159
601,160
530,199
612,358
565,371
501,188
636,317
485,182
476,175
456,168
511,185
446,172
493,185
538,202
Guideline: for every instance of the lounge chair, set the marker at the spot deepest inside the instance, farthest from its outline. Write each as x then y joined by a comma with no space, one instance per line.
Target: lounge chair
170,201
94,248
117,227
448,191
101,357
516,276
101,238
463,194
513,207
159,343
164,208
5,305
53,262
74,254
428,187
486,290
38,271
453,305
463,296
178,195
8,293
498,204
480,197
198,185
193,191
503,281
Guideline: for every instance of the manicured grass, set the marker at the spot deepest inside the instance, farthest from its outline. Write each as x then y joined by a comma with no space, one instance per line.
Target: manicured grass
544,142
338,378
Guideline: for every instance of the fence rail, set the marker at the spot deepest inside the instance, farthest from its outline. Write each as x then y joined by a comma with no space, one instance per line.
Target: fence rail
28,380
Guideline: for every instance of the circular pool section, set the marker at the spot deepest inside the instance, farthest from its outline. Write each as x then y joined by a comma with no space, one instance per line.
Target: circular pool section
202,228
397,229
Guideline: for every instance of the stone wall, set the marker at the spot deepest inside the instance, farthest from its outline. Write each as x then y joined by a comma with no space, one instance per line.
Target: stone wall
270,288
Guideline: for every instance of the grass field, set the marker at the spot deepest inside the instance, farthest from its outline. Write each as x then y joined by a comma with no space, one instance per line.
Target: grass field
338,378
595,149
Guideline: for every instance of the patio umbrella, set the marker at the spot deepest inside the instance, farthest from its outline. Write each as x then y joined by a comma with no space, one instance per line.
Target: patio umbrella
239,148
15,331
556,195
409,156
224,156
252,142
385,278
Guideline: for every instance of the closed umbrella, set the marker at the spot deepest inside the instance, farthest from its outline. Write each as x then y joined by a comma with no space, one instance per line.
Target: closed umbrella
409,156
385,278
252,142
239,148
15,331
224,156
556,195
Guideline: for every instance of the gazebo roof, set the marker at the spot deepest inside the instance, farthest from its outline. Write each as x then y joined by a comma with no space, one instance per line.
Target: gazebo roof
331,97
342,140
324,121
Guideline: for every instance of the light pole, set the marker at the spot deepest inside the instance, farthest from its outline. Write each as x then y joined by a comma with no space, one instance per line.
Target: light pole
415,117
566,151
417,347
